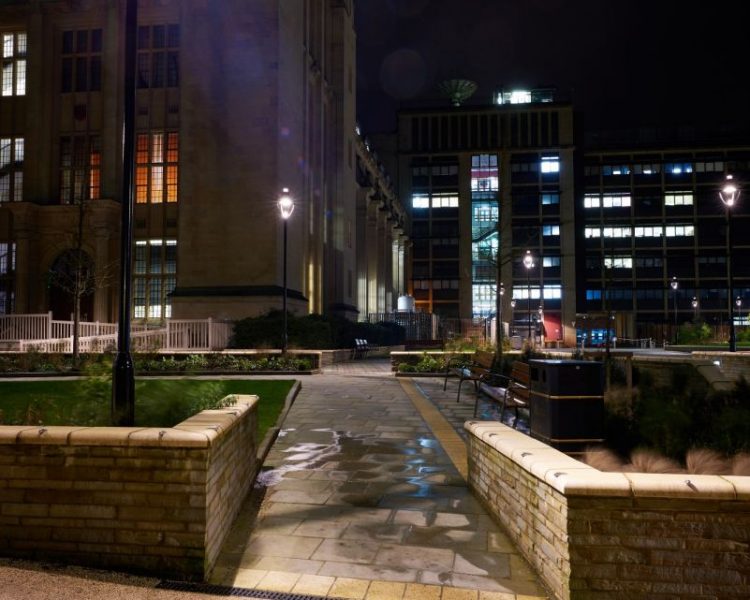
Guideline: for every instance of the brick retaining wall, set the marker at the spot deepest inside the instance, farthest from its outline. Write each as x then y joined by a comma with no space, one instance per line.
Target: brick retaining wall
607,536
138,499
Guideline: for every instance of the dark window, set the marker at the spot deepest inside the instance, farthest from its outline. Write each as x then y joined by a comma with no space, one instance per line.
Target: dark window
81,64
158,57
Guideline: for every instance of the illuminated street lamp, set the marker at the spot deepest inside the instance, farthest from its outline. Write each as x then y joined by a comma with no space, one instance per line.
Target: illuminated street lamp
674,284
512,310
286,208
695,309
729,195
528,262
499,330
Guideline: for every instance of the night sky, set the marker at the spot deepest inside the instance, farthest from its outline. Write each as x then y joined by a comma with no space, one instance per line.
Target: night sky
624,64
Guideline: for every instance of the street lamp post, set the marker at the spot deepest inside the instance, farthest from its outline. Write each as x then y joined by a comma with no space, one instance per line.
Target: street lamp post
738,302
695,309
674,284
528,262
729,194
499,330
512,314
123,372
286,208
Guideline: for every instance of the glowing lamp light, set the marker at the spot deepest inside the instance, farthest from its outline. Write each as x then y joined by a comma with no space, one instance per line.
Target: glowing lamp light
730,193
528,260
286,204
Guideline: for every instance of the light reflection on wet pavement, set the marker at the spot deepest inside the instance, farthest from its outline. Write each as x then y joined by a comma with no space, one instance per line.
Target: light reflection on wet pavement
357,488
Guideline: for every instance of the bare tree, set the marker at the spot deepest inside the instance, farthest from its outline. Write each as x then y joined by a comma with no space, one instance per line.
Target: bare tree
77,274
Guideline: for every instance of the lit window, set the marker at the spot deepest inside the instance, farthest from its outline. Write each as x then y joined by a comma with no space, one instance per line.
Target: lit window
593,232
446,200
550,164
592,201
156,170
651,231
550,230
616,200
551,261
154,277
615,170
521,292
14,64
7,273
11,169
617,232
420,201
679,231
593,294
679,168
618,262
548,199
485,212
646,169
678,199
552,292
484,173
514,97
483,299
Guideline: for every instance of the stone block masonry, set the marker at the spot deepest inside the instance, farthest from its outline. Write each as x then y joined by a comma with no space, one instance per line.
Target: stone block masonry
608,536
148,500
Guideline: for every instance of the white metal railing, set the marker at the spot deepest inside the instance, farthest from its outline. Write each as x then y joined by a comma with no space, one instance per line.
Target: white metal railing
26,327
193,334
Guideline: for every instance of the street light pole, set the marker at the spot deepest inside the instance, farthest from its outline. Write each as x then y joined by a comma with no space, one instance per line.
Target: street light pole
499,329
286,208
695,309
528,262
674,284
729,194
512,315
123,372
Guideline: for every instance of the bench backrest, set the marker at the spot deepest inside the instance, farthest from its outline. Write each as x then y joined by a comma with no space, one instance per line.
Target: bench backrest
520,373
484,359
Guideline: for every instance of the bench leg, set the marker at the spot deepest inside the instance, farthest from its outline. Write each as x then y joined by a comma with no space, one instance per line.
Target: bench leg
458,395
445,382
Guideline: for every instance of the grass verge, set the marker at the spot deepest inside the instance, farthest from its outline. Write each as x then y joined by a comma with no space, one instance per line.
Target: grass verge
159,402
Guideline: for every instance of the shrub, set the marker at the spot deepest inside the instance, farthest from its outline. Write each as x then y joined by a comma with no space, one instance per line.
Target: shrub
693,333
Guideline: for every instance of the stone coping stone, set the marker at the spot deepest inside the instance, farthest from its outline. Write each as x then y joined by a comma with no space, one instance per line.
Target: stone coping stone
199,431
574,478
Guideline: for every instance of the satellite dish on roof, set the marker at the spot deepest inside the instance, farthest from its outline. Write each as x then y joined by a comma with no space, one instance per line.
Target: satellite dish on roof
458,90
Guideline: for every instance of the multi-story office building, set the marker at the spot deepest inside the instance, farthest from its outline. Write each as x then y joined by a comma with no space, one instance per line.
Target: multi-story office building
633,231
488,185
655,234
235,101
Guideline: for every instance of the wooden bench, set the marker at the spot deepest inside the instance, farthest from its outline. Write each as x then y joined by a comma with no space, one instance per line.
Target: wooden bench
515,393
478,367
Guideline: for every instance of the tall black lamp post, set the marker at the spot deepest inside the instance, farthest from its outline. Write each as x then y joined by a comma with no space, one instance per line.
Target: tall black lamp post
729,194
528,262
695,309
123,373
674,284
286,208
512,315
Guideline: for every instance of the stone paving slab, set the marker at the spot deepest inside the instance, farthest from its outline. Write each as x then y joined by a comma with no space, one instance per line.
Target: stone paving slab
359,498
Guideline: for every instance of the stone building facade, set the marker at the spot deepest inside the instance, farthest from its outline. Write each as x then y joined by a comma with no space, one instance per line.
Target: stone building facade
235,102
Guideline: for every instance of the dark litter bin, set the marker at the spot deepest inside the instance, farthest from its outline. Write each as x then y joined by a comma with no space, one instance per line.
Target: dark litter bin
566,401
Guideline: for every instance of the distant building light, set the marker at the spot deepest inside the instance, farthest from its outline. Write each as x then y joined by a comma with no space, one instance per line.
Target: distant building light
550,164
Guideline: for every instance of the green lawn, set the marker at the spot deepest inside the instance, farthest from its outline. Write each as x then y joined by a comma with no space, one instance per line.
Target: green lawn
159,402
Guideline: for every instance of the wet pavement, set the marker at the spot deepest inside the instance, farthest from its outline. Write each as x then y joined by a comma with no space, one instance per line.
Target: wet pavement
358,498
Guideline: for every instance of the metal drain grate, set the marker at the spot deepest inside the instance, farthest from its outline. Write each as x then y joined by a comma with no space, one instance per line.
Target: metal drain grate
236,592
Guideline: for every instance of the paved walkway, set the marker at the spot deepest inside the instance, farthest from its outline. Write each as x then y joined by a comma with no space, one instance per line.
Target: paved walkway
358,499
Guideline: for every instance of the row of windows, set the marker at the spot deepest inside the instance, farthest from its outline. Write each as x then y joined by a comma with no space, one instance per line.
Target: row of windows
157,157
606,201
644,262
7,270
14,64
11,169
436,200
674,168
659,294
650,231
620,200
523,292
